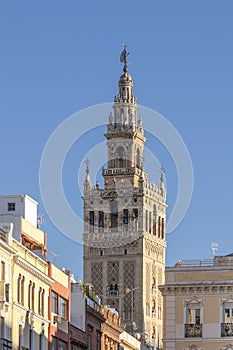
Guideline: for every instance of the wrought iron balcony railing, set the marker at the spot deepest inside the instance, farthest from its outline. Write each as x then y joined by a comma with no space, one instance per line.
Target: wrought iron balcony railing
226,329
5,344
193,330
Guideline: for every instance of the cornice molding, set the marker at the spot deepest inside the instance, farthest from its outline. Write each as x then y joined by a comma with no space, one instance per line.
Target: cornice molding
34,271
213,289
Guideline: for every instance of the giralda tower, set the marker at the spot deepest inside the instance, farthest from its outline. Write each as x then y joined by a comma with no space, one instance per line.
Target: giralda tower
124,223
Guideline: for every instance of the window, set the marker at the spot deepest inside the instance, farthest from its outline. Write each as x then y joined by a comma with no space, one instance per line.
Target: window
31,338
101,219
120,157
114,214
7,292
125,216
20,289
41,340
150,222
194,316
89,336
41,301
2,330
91,218
20,336
89,342
54,343
112,289
135,219
54,302
126,314
74,347
193,326
11,206
62,345
135,214
31,295
163,229
62,307
98,345
2,271
227,324
154,220
42,304
159,227
146,220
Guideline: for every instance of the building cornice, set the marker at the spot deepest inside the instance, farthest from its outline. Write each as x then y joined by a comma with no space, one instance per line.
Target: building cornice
7,247
205,287
34,271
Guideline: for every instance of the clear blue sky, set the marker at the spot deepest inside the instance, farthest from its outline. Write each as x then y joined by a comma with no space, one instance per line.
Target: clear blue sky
58,57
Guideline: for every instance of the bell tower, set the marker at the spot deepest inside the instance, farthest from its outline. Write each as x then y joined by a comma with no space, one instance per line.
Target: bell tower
125,138
124,223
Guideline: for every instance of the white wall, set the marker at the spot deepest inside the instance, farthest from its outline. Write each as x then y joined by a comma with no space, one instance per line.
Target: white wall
77,316
24,206
30,211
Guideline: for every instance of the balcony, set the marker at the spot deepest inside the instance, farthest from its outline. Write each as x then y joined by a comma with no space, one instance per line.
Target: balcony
5,344
193,330
226,329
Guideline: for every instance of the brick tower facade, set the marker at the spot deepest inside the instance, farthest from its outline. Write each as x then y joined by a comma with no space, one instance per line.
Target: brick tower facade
124,223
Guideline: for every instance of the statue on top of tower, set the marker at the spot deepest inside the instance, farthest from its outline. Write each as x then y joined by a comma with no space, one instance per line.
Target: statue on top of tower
123,58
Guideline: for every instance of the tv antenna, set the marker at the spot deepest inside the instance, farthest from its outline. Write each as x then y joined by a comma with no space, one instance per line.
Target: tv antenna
214,247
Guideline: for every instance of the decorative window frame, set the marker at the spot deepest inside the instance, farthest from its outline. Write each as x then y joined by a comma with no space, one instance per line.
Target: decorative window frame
193,347
227,347
193,301
222,306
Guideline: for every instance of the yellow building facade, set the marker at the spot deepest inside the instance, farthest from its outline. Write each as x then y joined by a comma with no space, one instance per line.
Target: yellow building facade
198,305
6,256
30,293
24,290
128,342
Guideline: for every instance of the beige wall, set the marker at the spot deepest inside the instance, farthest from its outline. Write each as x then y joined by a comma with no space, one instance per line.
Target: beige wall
209,287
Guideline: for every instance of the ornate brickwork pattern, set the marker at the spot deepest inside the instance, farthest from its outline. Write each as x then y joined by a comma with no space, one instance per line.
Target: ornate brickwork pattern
160,276
129,278
97,277
113,272
148,282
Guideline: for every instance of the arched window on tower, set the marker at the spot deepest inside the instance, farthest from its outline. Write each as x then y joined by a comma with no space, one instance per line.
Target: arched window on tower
101,220
146,220
91,220
163,228
120,161
125,216
154,220
135,219
159,227
150,223
114,214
